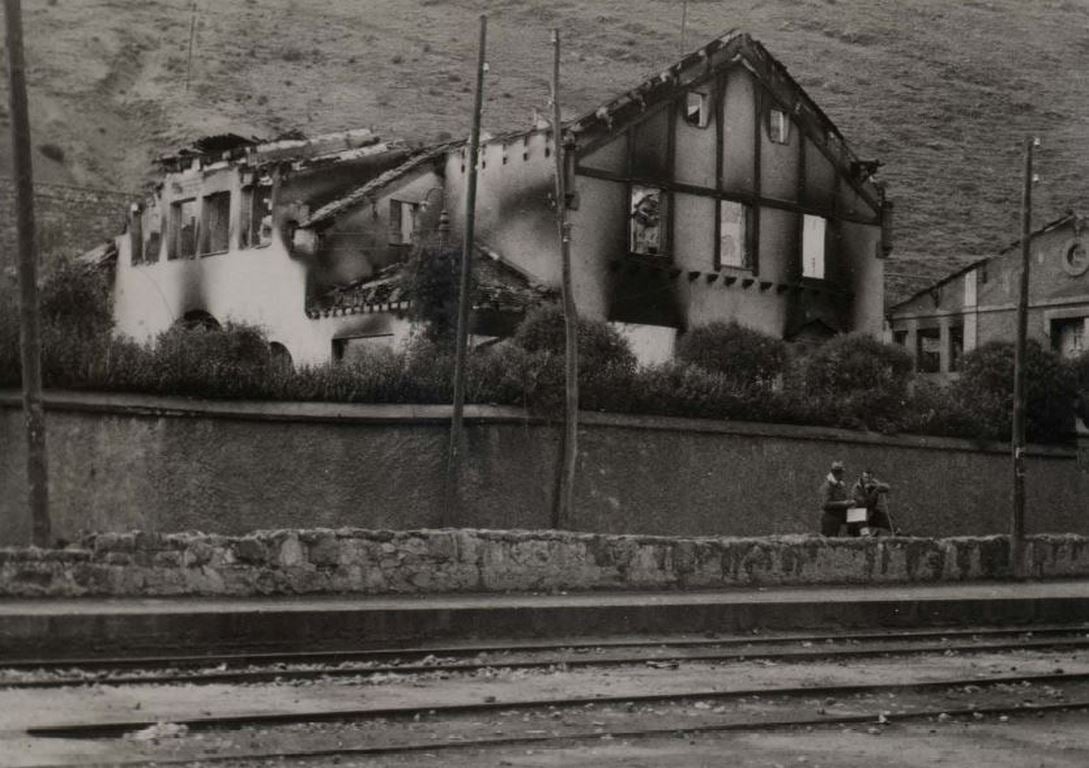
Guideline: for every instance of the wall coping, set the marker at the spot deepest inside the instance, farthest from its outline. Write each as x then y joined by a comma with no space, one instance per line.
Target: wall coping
382,413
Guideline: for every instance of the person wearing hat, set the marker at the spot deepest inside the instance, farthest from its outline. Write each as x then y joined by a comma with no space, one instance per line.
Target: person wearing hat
867,493
835,500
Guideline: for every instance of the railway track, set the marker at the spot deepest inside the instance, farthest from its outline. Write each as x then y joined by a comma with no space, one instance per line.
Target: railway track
470,659
629,716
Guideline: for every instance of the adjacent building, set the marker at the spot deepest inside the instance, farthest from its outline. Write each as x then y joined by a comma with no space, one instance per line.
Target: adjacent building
714,190
978,303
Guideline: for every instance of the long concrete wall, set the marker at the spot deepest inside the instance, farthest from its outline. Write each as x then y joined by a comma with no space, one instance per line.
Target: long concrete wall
124,462
350,561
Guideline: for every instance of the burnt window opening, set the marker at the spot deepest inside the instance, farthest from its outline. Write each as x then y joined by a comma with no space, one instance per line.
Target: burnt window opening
813,237
648,211
255,222
696,112
778,126
136,234
928,356
956,347
1068,336
735,226
152,232
183,230
216,223
402,222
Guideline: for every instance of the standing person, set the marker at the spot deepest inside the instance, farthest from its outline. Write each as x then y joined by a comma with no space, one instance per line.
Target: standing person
835,500
867,493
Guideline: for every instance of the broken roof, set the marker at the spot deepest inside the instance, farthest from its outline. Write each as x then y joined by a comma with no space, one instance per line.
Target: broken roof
499,285
290,146
722,52
360,194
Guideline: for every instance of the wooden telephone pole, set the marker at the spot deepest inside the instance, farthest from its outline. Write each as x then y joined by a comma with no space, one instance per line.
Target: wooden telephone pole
1017,524
30,334
564,514
453,460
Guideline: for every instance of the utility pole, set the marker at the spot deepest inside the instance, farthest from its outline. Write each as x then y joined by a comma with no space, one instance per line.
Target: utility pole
192,34
684,27
30,335
1017,527
453,459
565,507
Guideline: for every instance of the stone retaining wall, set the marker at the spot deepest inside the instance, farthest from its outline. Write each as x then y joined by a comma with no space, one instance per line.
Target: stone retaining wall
436,561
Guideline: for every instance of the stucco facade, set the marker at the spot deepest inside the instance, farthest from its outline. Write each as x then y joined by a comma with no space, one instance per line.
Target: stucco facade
978,304
714,191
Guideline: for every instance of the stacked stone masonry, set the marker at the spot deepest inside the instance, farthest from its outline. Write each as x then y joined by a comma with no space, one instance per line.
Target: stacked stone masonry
354,561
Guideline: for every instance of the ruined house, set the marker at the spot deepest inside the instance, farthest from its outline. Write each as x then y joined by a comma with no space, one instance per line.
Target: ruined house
714,190
978,303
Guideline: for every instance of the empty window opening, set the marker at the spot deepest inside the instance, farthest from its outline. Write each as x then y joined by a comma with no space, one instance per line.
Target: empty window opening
136,234
734,226
402,222
928,356
956,347
1068,336
359,349
152,231
813,232
778,126
696,112
255,223
216,229
900,338
647,216
183,229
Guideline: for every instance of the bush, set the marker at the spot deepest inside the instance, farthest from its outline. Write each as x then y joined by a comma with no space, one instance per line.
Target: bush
434,275
745,356
985,387
861,379
1080,367
600,346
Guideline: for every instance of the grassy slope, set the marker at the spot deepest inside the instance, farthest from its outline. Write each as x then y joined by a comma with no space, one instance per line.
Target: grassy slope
941,91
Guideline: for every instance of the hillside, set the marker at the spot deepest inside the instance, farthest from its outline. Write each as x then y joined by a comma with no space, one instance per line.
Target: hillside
942,92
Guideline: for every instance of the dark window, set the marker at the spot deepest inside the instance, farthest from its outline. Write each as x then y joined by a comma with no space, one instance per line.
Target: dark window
1068,336
956,347
183,230
255,222
216,218
900,338
928,356
136,234
402,222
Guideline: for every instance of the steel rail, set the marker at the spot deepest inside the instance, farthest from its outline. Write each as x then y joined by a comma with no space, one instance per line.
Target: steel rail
596,735
112,729
456,651
284,675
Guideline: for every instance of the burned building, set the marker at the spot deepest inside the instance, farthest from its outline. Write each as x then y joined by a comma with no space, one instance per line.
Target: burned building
714,190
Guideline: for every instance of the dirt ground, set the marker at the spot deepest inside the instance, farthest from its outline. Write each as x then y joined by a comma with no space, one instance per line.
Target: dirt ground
886,734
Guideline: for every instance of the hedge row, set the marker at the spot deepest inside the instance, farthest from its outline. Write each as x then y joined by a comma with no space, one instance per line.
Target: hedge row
722,372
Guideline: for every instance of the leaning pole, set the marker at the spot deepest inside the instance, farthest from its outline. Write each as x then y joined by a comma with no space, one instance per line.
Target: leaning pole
29,333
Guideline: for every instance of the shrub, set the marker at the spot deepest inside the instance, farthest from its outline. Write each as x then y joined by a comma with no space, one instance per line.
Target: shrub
745,356
860,379
854,363
1081,376
600,346
434,276
986,387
